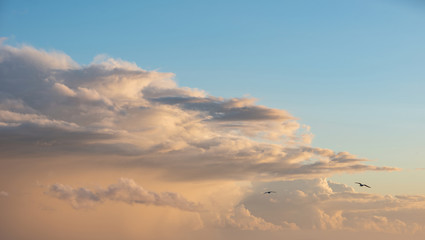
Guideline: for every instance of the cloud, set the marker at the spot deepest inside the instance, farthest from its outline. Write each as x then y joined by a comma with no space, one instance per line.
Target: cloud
51,106
4,194
111,114
242,218
315,204
126,190
326,205
227,110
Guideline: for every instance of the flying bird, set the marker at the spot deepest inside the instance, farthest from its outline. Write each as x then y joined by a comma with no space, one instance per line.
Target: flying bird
362,184
269,192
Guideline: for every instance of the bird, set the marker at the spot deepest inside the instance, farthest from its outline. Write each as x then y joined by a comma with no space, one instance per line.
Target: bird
269,192
362,185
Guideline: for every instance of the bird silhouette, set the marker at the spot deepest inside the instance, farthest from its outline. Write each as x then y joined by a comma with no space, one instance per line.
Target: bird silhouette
269,192
362,185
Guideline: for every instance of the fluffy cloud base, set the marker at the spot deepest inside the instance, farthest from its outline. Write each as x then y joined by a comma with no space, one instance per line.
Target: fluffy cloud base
296,205
325,205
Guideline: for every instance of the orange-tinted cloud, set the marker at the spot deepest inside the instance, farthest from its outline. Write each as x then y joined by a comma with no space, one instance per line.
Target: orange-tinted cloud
322,204
52,106
60,120
126,190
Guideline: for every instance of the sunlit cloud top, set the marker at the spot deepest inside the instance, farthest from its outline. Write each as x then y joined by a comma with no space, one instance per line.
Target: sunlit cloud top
113,107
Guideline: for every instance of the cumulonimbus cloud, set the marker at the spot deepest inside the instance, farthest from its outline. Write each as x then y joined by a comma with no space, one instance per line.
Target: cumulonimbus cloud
50,106
112,111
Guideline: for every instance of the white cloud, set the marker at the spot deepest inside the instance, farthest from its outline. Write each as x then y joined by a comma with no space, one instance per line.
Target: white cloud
114,107
116,114
315,204
242,218
325,205
35,58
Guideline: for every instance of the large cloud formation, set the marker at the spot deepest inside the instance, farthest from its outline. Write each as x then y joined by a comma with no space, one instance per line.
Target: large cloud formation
50,105
112,114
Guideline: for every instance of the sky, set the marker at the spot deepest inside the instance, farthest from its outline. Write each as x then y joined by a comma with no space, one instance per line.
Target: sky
170,119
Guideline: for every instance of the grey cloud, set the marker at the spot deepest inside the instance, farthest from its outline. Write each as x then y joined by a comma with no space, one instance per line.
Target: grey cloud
28,139
254,161
227,110
338,187
79,198
126,190
172,95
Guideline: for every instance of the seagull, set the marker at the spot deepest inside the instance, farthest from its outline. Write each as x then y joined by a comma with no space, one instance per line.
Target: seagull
269,192
362,184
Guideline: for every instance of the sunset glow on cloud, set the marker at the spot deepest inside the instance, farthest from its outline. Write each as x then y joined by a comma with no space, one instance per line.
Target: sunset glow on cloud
109,150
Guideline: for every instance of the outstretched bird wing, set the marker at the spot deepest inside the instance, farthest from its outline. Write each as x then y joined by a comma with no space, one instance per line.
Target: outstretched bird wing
362,184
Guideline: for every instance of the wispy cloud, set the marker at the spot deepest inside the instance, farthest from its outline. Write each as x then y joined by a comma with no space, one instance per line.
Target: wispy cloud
126,190
4,194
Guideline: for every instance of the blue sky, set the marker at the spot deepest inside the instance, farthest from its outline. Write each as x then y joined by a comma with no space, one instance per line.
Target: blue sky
352,70
136,120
